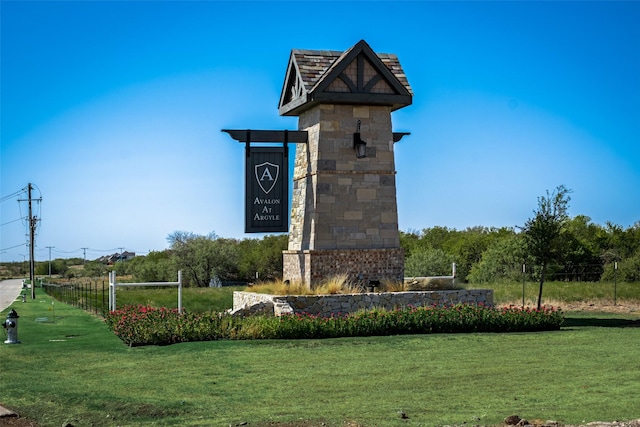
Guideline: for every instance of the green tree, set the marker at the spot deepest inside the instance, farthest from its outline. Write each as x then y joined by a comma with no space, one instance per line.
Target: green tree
157,266
203,258
437,238
631,268
543,232
58,267
428,262
409,241
579,261
628,270
502,261
75,261
121,267
94,269
263,257
617,244
468,246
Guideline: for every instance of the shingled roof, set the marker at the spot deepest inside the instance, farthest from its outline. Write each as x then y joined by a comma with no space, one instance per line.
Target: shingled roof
357,76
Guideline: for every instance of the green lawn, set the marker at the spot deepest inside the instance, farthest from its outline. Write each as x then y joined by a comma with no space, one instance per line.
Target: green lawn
564,292
197,300
75,370
201,300
554,293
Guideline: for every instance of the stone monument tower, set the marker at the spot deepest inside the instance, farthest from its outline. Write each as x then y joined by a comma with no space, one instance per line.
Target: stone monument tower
344,217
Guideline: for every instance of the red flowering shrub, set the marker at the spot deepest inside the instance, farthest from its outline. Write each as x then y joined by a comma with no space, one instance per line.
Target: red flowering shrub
142,325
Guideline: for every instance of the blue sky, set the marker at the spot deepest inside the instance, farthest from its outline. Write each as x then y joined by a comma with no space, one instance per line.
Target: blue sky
114,109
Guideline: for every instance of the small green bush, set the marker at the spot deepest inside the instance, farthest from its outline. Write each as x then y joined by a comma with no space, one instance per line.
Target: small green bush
143,325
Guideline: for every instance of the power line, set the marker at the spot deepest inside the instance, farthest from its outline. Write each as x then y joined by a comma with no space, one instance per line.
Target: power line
60,251
101,250
11,222
12,195
13,247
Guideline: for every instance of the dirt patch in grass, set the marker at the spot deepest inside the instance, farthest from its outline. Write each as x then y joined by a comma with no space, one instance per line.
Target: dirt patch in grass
535,423
622,307
17,421
599,307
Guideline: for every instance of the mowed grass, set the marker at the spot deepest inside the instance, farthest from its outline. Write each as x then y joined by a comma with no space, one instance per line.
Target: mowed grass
196,300
559,293
204,300
74,370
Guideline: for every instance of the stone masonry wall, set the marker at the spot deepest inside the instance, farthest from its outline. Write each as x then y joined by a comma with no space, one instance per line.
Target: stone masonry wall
344,216
340,201
325,305
360,265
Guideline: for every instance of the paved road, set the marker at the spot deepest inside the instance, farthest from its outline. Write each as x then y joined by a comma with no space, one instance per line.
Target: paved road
9,292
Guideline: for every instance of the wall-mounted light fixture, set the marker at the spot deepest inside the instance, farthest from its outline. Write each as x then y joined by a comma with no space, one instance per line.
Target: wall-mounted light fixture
359,145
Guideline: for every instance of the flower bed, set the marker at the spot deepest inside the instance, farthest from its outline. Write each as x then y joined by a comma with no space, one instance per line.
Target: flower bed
325,305
142,325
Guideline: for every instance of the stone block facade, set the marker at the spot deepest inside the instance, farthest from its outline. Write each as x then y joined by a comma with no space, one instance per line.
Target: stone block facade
359,265
326,305
340,201
344,213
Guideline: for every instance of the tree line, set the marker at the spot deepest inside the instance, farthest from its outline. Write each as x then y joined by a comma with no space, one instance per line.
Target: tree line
551,245
574,249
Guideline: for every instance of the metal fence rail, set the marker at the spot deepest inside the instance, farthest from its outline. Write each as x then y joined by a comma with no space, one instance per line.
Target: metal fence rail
90,296
113,284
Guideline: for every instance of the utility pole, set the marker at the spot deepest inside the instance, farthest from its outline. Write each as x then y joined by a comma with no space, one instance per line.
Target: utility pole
32,243
33,222
84,251
49,247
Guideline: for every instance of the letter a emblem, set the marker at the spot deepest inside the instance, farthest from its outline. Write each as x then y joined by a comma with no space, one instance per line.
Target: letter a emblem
267,175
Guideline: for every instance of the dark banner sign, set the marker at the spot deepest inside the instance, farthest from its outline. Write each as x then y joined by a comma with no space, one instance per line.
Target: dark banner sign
266,190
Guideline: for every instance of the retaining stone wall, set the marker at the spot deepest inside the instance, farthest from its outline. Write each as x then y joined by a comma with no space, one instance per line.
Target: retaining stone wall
325,305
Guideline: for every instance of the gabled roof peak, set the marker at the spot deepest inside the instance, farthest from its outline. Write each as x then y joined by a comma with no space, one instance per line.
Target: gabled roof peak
356,76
